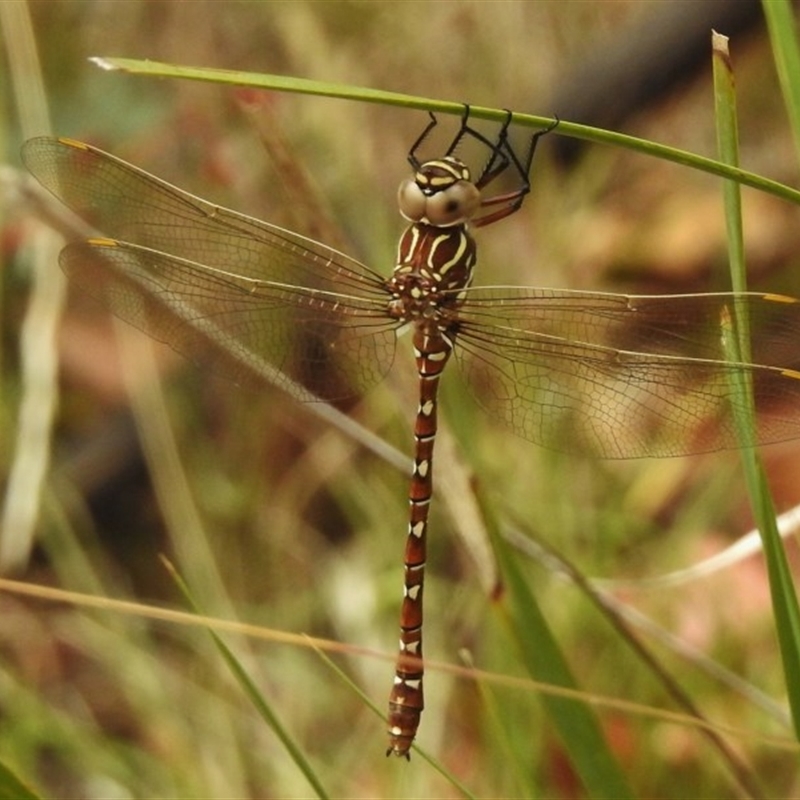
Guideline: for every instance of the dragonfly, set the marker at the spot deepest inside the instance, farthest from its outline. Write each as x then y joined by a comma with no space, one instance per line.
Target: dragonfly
614,375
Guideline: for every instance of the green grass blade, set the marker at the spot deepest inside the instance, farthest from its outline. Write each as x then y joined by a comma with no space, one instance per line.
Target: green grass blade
728,147
285,83
418,751
576,723
547,554
782,28
12,788
256,697
737,346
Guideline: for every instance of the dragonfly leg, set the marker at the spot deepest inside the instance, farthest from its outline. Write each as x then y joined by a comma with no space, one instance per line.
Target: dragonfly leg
501,156
412,153
504,156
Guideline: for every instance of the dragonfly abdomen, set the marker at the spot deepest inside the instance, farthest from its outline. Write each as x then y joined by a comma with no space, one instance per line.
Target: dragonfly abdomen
432,350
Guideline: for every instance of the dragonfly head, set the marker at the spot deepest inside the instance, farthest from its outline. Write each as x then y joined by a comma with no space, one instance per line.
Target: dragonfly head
440,194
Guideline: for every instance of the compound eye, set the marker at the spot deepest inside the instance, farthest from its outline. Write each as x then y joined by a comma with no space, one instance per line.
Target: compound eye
411,200
453,205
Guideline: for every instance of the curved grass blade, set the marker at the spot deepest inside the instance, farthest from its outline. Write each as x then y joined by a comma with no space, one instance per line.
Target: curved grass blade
418,751
254,694
605,605
284,83
287,83
12,787
576,723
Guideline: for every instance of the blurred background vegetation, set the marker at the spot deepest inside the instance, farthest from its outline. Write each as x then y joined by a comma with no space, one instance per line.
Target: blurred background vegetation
278,520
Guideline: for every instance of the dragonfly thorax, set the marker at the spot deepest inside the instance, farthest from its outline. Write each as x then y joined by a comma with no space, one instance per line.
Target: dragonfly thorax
415,296
433,265
440,194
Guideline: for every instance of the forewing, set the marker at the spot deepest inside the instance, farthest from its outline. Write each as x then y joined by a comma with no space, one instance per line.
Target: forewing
128,204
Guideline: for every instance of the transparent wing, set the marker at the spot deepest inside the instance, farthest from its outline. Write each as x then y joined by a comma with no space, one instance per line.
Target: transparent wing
127,203
627,376
247,298
618,375
246,330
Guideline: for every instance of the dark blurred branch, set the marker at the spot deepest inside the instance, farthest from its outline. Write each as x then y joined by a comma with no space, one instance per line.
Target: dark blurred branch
620,75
